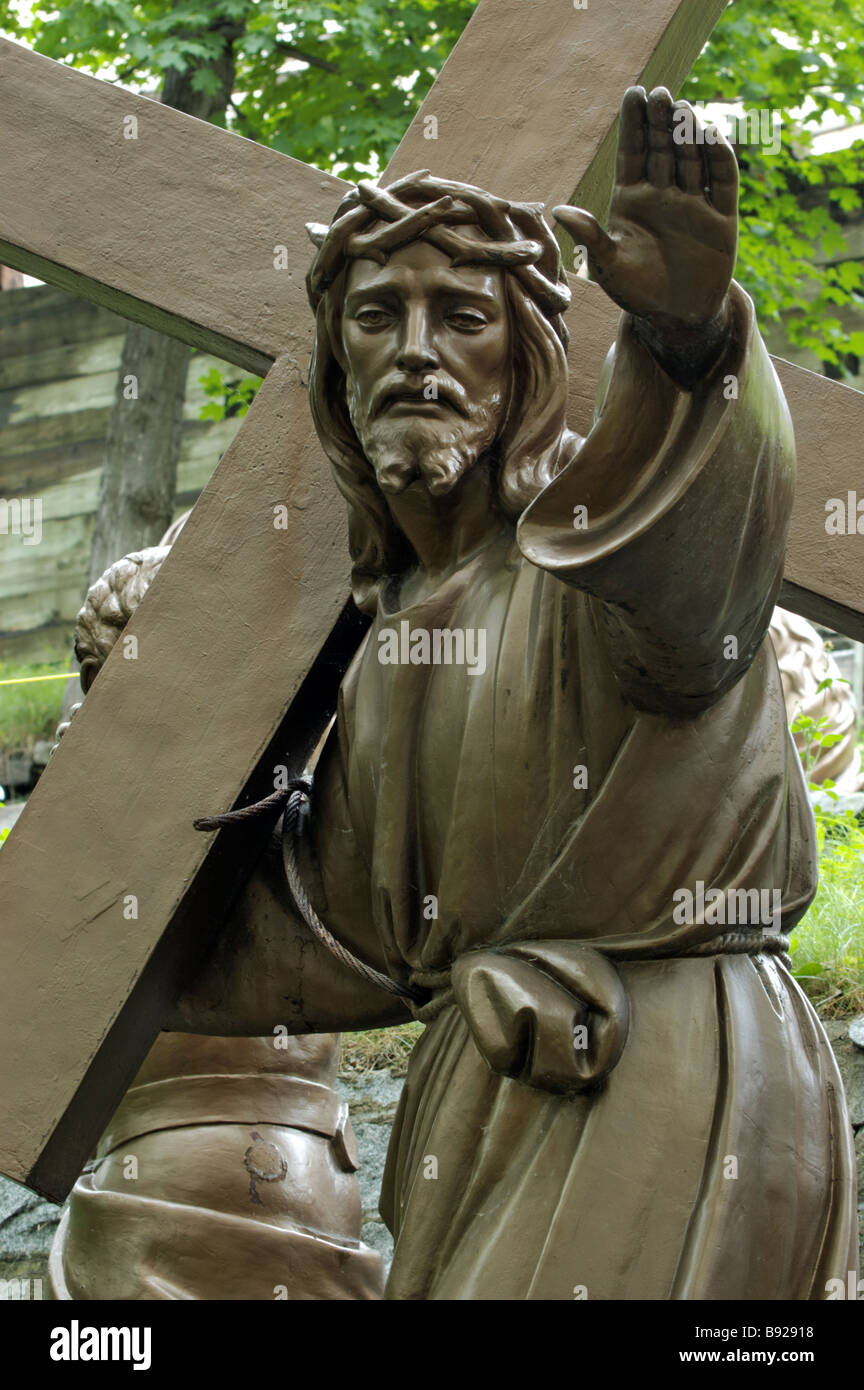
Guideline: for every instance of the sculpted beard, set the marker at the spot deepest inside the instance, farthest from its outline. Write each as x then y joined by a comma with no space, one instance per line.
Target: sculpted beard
437,448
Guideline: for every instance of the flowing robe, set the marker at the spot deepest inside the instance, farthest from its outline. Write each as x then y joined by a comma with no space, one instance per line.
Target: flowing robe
607,1101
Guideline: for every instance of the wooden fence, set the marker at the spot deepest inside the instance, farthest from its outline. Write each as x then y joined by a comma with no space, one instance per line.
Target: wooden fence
59,358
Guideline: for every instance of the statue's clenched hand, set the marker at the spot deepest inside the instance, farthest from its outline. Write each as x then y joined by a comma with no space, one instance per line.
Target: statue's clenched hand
64,723
109,605
668,252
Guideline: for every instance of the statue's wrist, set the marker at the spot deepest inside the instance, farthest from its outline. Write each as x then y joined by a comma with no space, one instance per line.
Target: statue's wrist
685,351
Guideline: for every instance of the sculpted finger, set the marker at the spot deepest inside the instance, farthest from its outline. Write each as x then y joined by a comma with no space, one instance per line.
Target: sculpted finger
661,148
632,137
586,231
688,140
722,168
64,724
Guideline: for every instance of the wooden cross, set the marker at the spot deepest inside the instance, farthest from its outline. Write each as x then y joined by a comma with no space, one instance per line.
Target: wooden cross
106,892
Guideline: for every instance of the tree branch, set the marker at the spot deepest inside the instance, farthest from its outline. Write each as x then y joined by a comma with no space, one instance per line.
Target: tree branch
127,72
292,51
245,124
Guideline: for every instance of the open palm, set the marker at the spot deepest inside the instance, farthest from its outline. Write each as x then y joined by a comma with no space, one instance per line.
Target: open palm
669,249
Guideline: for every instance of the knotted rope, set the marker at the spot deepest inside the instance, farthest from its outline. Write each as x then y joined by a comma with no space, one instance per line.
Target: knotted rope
296,799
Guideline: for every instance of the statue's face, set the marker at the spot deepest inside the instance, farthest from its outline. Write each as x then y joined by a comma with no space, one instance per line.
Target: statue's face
427,358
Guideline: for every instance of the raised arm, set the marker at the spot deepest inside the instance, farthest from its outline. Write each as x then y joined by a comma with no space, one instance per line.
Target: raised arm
674,513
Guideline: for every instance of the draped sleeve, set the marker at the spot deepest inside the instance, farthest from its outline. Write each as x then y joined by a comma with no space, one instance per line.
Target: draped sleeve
673,515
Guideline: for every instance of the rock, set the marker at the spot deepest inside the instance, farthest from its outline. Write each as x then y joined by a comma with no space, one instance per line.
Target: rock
372,1099
856,1031
28,1224
850,1060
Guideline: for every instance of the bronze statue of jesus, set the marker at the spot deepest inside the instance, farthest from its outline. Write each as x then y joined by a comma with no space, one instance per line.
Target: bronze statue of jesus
613,1098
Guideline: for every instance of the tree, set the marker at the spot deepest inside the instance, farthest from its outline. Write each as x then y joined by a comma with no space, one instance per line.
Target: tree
335,84
801,60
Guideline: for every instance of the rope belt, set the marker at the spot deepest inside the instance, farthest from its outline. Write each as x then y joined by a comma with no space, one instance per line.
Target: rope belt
296,800
439,982
295,811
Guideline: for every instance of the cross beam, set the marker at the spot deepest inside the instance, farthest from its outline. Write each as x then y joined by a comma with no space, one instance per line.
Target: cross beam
178,229
193,256
196,260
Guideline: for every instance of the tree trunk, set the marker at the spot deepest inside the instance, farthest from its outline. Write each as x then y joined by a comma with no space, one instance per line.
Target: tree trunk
139,476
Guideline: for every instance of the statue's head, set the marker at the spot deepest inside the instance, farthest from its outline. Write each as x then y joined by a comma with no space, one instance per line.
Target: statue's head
440,344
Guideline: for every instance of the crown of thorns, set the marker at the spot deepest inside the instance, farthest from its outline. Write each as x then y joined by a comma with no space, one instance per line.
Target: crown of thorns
420,207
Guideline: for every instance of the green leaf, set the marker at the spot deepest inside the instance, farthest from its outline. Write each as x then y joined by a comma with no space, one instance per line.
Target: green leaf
206,81
806,969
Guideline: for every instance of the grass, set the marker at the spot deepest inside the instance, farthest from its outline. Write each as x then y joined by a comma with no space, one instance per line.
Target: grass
827,946
379,1049
29,712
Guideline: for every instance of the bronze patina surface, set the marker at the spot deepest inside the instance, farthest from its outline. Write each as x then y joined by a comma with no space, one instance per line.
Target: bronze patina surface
625,1096
262,647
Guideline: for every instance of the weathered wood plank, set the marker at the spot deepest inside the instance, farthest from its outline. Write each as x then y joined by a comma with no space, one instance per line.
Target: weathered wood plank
68,494
69,857
49,364
66,327
201,448
192,257
59,397
38,613
55,431
45,299
41,586
31,473
29,392
37,608
45,602
23,566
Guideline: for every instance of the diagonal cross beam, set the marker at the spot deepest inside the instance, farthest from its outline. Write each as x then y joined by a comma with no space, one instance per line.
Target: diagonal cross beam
178,228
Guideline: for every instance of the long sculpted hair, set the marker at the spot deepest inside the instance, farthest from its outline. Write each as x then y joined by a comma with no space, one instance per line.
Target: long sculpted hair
534,442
